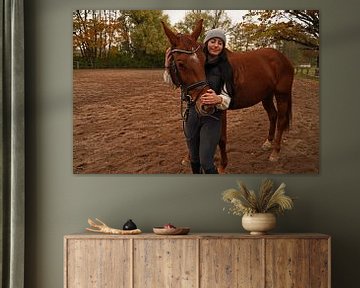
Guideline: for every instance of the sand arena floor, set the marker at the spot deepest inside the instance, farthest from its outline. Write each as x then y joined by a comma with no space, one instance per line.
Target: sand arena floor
129,122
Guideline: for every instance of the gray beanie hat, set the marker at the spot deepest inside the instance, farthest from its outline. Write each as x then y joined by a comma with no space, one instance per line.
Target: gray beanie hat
215,33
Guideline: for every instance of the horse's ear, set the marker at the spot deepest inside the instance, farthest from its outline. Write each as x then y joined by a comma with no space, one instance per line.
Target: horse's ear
170,34
197,30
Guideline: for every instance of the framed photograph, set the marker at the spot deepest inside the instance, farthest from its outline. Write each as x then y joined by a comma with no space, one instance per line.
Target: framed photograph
128,118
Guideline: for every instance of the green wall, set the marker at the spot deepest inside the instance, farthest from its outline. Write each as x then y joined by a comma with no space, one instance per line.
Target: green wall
58,202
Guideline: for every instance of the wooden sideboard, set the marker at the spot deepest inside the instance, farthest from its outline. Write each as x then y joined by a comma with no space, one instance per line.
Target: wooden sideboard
197,260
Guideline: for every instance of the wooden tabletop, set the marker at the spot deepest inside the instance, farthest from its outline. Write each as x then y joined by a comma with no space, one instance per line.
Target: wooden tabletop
90,235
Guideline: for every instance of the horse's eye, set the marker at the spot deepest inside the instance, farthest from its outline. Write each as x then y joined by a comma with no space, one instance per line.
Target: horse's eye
180,65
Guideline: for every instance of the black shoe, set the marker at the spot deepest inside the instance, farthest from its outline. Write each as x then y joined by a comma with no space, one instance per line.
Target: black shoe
196,168
211,171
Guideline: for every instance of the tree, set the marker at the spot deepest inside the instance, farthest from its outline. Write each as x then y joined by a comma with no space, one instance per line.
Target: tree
146,31
248,36
119,37
275,28
212,19
299,26
94,33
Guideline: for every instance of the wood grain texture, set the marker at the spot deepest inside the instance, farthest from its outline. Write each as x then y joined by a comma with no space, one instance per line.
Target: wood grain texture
98,263
231,263
287,263
197,261
88,235
165,263
320,263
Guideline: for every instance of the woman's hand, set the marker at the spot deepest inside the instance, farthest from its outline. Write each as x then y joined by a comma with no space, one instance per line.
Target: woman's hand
167,57
210,98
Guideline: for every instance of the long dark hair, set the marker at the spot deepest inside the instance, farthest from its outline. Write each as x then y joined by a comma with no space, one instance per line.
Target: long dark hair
225,69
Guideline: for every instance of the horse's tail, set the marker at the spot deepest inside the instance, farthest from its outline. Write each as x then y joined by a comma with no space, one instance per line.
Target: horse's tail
283,94
289,110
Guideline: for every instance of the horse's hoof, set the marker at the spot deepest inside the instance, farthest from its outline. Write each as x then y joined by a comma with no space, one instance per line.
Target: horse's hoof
221,170
274,157
267,145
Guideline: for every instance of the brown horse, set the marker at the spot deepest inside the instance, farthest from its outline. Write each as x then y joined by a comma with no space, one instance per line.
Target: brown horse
259,76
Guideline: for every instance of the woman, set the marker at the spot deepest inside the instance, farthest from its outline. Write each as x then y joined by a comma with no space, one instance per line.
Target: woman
203,132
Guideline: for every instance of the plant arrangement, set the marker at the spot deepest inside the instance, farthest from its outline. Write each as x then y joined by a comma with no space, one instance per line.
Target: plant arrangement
246,202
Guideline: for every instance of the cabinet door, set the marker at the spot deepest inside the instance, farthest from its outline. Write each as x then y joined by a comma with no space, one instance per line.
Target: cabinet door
231,263
320,263
297,263
98,263
287,263
165,263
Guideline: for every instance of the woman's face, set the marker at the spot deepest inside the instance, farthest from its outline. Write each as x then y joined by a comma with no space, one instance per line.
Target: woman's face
215,46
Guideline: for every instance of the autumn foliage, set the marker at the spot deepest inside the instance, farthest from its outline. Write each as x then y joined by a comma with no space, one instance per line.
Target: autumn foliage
134,38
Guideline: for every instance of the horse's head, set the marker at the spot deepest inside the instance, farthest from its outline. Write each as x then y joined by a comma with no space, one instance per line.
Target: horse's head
189,60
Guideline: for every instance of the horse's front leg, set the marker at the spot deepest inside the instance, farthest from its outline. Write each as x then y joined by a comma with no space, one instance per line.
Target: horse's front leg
222,145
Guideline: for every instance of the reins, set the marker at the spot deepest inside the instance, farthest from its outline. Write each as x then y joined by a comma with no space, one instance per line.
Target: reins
185,89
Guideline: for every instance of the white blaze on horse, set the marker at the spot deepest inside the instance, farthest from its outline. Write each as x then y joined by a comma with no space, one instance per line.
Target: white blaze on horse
259,76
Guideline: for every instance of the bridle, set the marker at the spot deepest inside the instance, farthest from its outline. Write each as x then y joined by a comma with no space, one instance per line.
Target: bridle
185,89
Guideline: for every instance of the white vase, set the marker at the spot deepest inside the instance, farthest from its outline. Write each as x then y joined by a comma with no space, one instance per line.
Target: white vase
259,223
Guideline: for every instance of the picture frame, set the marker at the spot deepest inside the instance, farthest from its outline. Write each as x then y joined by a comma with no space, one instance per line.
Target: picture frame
126,120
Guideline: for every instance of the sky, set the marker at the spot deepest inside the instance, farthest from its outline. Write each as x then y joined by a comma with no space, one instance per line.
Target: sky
177,15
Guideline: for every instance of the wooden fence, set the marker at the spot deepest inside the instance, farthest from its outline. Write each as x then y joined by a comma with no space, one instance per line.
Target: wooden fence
307,71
